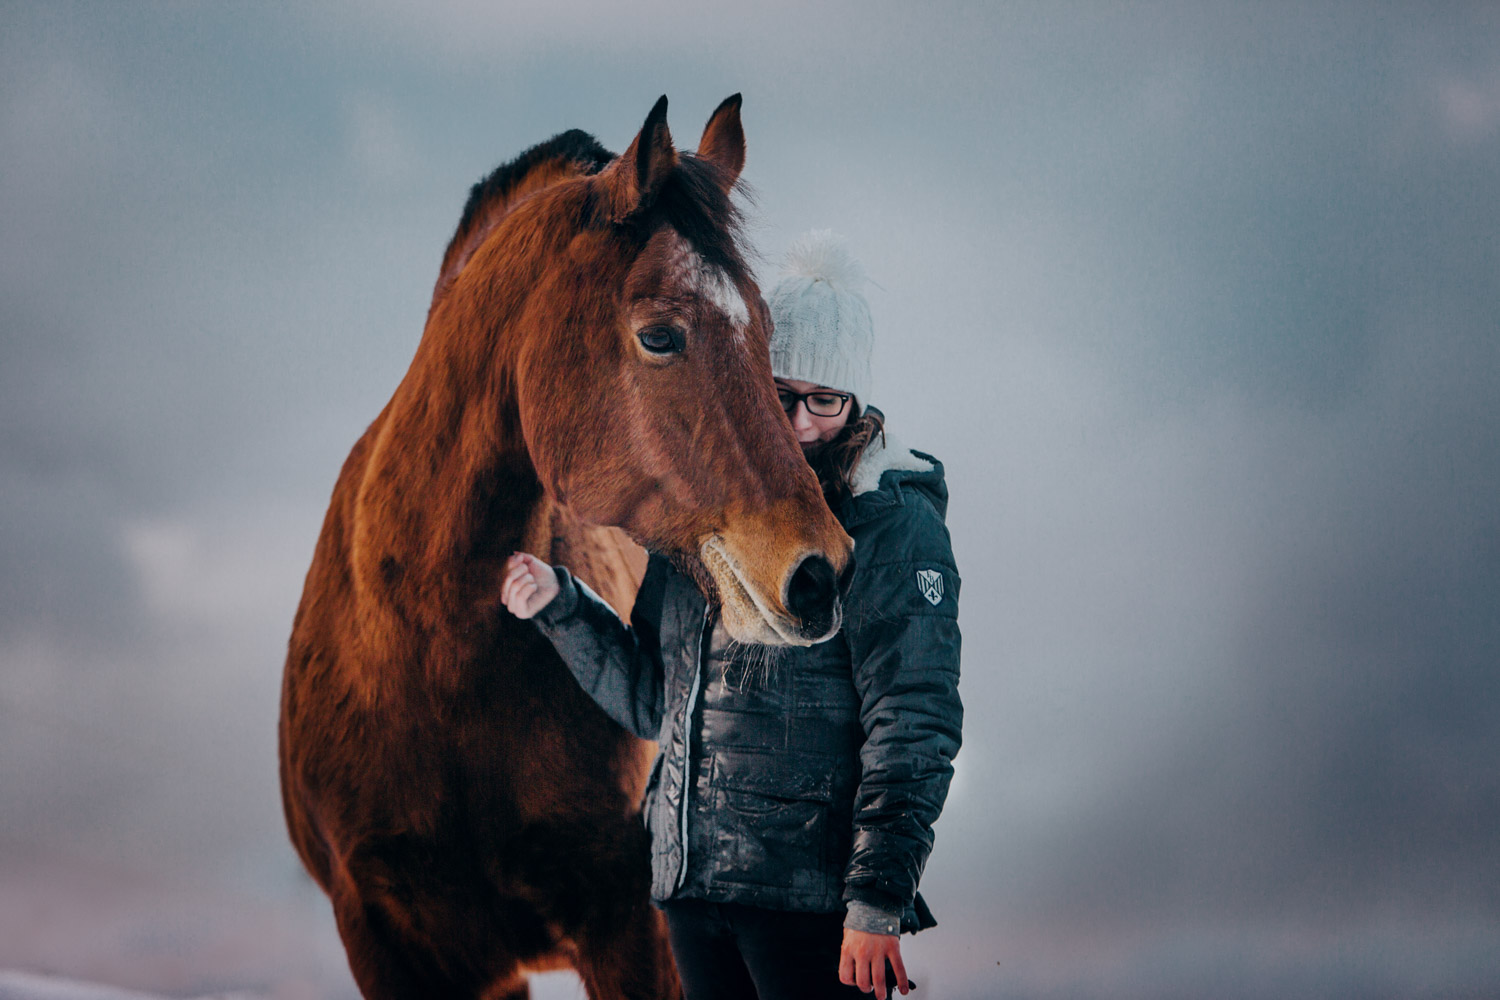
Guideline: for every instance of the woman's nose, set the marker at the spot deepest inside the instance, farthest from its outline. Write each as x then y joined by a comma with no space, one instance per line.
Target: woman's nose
800,417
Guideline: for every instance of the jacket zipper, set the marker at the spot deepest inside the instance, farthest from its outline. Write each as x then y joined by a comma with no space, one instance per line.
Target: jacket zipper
687,744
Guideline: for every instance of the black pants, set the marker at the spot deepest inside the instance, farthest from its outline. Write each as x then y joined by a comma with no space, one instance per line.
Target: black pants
726,951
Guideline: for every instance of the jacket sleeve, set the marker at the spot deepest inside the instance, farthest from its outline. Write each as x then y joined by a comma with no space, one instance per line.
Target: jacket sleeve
904,642
619,665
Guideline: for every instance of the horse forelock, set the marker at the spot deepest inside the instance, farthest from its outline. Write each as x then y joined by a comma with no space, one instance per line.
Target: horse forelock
694,202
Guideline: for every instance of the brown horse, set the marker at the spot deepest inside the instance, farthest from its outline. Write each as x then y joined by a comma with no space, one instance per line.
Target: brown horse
594,369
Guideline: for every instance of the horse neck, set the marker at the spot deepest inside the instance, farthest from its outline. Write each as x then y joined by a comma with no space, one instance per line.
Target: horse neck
450,486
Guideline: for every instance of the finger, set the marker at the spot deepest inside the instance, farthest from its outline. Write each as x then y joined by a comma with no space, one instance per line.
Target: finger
846,966
862,975
513,585
899,968
513,590
877,967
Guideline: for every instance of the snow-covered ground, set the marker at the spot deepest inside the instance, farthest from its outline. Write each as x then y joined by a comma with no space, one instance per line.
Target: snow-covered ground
160,932
29,986
76,928
26,986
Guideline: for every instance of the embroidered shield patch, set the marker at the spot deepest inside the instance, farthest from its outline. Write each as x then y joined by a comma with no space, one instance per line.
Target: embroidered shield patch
930,582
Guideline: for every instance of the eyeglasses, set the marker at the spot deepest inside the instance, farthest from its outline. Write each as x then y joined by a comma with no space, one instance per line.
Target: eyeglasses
819,402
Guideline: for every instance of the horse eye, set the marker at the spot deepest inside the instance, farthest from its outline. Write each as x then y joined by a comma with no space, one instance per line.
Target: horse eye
661,339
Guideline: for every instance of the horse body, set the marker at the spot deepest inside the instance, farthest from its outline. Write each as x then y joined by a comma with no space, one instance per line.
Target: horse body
594,370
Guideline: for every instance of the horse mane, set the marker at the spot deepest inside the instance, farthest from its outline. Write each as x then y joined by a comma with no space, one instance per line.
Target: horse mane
693,200
573,153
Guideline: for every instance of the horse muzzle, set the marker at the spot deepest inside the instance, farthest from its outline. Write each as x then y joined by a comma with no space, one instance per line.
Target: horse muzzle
807,609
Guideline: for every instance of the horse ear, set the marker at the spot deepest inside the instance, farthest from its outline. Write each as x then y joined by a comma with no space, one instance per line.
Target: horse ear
634,179
723,142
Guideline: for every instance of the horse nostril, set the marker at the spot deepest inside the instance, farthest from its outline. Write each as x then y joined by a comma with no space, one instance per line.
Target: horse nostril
811,593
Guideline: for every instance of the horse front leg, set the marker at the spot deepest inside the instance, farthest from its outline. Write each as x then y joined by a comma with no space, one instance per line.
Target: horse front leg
384,965
630,960
595,879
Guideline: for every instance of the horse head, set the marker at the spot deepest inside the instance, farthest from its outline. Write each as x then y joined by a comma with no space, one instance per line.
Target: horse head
643,383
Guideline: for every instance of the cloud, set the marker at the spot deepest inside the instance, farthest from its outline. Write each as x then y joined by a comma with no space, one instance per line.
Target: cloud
1193,307
473,29
217,573
380,145
1469,108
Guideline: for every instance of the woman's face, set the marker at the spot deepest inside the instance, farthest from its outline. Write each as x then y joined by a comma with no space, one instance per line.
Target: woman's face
812,429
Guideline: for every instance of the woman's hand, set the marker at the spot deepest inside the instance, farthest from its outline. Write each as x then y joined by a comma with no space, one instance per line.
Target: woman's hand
529,585
862,962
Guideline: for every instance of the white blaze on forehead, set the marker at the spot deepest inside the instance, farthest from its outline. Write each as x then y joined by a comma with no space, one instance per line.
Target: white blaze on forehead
713,284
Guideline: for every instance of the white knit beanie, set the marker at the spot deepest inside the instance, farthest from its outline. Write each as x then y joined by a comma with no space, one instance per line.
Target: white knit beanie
822,330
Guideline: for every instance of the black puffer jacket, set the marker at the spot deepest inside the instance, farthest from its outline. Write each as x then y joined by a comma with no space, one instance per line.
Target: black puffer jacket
812,775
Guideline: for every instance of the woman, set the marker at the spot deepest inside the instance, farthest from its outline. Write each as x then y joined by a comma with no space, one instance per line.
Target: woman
792,801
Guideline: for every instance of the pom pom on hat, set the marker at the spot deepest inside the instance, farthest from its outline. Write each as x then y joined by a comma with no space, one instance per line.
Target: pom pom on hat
823,331
822,256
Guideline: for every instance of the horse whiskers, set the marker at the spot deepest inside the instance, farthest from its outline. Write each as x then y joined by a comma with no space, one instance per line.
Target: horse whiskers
751,665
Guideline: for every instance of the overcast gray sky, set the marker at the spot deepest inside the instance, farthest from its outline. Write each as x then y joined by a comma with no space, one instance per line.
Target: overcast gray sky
1199,303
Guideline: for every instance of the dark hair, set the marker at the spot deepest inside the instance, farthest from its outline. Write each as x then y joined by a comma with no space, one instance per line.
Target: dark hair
834,462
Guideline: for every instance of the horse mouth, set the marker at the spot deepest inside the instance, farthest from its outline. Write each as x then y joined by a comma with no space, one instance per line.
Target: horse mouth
745,611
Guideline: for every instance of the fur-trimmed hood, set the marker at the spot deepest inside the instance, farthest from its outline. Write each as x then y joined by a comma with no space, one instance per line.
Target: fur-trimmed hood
884,469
